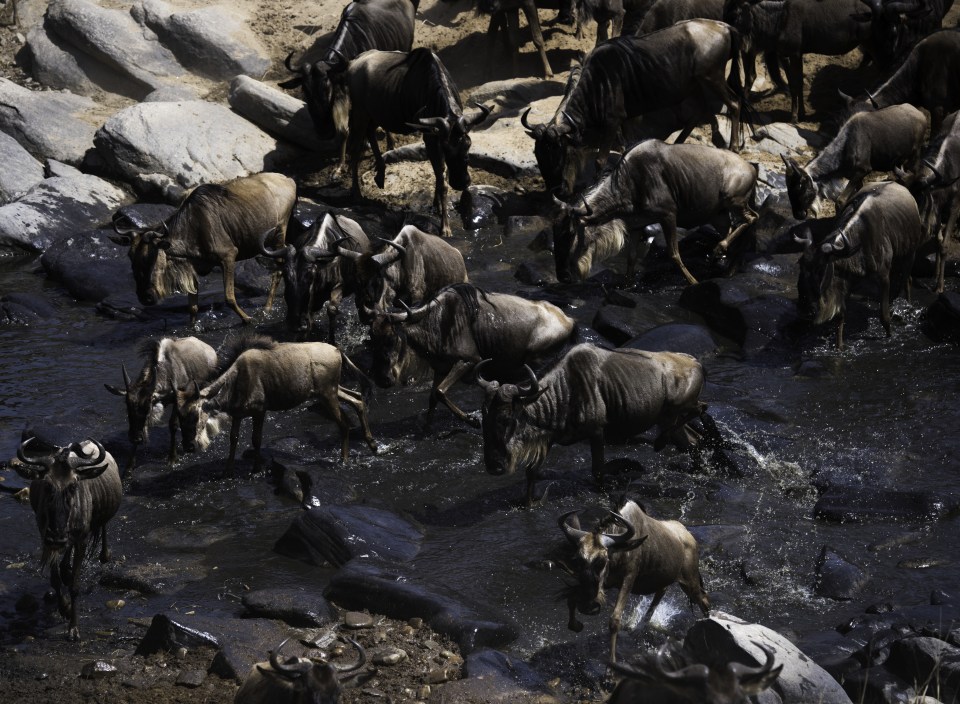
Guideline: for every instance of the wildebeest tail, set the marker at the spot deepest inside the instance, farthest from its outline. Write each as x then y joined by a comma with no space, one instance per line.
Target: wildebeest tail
735,80
234,347
366,386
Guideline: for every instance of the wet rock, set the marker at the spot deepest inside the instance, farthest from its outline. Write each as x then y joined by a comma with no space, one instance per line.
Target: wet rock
89,265
875,685
836,578
167,635
47,123
941,320
357,620
312,486
298,607
834,652
167,577
857,503
275,112
187,537
480,206
336,534
931,662
620,324
21,171
730,539
692,339
492,676
98,670
398,593
533,275
723,638
24,309
191,679
941,619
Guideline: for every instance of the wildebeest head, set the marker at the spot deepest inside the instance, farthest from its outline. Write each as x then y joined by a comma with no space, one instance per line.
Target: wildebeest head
454,141
393,359
506,445
298,680
373,271
156,275
734,683
928,186
821,294
579,240
144,406
555,146
592,560
63,511
893,25
199,417
802,191
318,81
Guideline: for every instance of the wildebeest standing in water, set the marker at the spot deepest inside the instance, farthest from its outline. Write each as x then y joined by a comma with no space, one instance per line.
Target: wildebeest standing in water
73,494
171,364
320,271
297,680
405,93
460,327
696,683
670,184
262,375
596,395
646,558
215,225
876,239
629,76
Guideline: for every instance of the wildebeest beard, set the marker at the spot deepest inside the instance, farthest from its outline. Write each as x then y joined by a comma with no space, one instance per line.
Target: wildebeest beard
173,274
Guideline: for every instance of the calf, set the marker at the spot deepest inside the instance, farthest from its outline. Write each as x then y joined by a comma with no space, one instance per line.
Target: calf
74,492
646,558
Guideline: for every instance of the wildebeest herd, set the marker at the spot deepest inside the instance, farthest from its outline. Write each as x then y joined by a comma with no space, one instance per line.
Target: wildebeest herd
542,385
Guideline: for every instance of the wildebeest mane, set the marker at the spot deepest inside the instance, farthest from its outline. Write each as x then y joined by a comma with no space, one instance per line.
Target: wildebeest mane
233,348
616,63
428,88
203,196
149,350
470,295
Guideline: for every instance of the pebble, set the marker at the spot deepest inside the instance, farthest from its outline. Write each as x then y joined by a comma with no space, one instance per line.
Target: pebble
116,604
390,656
424,692
437,676
407,630
191,678
97,670
181,653
415,622
357,620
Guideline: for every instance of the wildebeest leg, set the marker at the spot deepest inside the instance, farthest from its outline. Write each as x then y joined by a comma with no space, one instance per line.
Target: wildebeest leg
885,304
512,32
193,303
104,548
380,167
616,28
173,425
360,408
795,81
79,551
669,224
333,310
533,20
257,437
60,572
234,439
617,615
229,264
533,473
390,142
275,279
597,458
572,622
442,385
131,461
840,331
946,234
435,154
717,84
692,585
746,217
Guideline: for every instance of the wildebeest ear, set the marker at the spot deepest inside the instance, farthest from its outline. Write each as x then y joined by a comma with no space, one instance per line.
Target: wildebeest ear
849,100
630,545
114,390
123,240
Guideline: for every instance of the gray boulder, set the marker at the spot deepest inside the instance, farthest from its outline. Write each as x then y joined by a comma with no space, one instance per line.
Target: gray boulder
275,112
296,606
166,148
58,207
88,265
692,339
724,638
20,172
211,41
47,123
56,64
115,39
836,578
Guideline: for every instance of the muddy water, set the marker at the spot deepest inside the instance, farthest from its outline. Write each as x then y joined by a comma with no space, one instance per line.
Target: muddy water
884,413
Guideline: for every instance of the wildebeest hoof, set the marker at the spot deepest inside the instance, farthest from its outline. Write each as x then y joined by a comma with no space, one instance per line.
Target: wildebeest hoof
73,635
379,178
575,626
473,419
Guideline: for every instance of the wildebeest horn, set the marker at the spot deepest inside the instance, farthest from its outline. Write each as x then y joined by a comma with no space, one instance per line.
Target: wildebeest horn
26,468
290,68
573,534
399,247
478,368
348,253
534,389
431,124
119,217
806,241
466,124
341,59
873,101
126,377
282,253
80,463
609,540
280,668
524,120
936,172
693,673
361,660
739,670
312,253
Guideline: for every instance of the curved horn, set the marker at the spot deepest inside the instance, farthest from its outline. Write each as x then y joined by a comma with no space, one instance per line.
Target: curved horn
693,673
361,659
740,670
126,377
525,121
283,252
80,462
312,253
116,220
291,673
399,247
564,205
873,101
573,534
936,172
478,368
466,124
341,59
805,241
534,389
290,68
431,124
609,540
24,469
874,5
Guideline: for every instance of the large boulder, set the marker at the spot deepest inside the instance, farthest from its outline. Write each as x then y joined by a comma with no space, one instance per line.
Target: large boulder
837,578
20,172
47,123
302,606
58,207
494,677
723,638
275,112
941,320
504,147
165,148
89,265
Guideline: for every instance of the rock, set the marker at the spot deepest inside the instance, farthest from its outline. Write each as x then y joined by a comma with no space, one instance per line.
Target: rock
396,591
875,685
275,112
97,670
57,169
88,265
172,94
167,635
20,172
357,620
114,38
58,207
165,148
516,94
930,662
211,41
532,275
336,534
723,638
857,503
505,148
481,206
692,339
390,656
24,309
790,137
154,577
298,607
836,578
620,324
191,679
941,320
834,652
48,123
495,677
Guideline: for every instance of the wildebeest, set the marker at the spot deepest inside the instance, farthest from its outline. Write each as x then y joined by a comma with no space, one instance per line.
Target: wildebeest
666,13
412,268
387,25
596,395
74,492
928,78
458,328
877,238
671,184
264,375
936,186
405,93
319,272
791,29
504,15
868,141
652,682
897,26
215,225
645,558
612,12
297,680
629,76
171,364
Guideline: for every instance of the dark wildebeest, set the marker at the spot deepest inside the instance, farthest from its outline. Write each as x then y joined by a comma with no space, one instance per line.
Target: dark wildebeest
609,12
877,140
645,558
262,376
928,78
215,225
319,272
670,184
461,326
387,25
505,16
897,26
651,682
171,364
791,29
877,238
666,13
597,395
74,492
629,76
936,186
405,93
412,268
297,680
